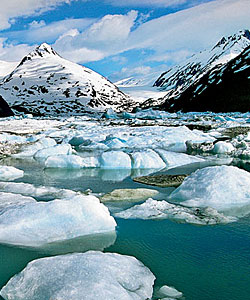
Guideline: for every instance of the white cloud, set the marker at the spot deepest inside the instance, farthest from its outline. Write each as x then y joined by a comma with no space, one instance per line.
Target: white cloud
149,3
10,52
36,24
39,32
106,36
171,37
17,8
192,29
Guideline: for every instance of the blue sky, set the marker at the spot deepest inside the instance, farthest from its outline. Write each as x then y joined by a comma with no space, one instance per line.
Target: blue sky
119,38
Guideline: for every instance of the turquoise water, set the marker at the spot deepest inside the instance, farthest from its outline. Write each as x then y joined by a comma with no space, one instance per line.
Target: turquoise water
203,262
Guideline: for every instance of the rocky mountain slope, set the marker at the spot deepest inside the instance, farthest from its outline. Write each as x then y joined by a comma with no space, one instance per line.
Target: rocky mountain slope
224,88
179,78
46,84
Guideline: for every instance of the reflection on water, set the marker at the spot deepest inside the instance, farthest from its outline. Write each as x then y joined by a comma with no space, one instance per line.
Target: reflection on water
80,244
13,259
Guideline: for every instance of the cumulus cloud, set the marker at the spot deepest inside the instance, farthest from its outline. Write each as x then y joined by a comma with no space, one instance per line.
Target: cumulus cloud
16,8
105,36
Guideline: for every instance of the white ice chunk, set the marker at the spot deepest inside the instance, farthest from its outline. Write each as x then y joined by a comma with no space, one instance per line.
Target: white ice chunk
9,200
153,209
28,189
115,160
30,150
174,159
63,149
169,292
71,162
34,224
12,138
220,187
223,148
147,159
115,143
64,161
92,276
9,173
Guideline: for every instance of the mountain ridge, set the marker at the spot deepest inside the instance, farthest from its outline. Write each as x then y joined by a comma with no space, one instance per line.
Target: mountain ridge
44,84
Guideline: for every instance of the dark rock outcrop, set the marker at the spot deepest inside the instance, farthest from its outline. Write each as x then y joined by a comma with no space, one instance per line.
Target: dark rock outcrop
5,110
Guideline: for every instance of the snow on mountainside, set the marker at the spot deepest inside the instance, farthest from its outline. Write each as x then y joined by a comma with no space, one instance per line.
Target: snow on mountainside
224,88
46,84
177,79
6,67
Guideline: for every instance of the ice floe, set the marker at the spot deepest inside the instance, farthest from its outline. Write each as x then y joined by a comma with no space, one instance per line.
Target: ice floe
220,187
147,159
91,275
62,149
115,160
27,189
153,209
168,291
71,162
38,223
29,150
10,173
8,200
223,148
175,159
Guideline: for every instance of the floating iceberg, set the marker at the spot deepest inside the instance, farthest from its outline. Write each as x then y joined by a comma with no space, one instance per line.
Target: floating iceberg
28,189
63,149
10,173
168,291
92,275
35,224
115,160
8,200
31,149
153,209
223,148
147,159
71,162
220,187
175,159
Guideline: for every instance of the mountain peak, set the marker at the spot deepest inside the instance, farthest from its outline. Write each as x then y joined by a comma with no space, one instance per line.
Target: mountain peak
44,50
235,38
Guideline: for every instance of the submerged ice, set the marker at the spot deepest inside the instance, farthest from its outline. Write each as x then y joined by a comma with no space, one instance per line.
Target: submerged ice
91,275
153,209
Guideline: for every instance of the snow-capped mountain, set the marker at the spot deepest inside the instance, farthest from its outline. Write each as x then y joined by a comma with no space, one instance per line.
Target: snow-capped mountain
224,88
46,84
177,79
